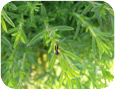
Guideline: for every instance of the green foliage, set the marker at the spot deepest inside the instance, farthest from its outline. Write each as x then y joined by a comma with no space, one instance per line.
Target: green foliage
61,44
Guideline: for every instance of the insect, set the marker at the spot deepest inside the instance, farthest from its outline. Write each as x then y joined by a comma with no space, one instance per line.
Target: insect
56,50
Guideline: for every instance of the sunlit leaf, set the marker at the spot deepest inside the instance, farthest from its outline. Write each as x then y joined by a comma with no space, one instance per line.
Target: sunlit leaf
61,79
51,61
74,72
16,40
68,80
7,19
70,54
3,24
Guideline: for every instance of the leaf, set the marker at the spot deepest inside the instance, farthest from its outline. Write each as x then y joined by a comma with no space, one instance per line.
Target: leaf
99,33
3,24
51,61
65,65
78,83
62,63
102,47
23,36
32,15
50,49
14,34
7,19
77,31
12,6
61,79
63,28
22,39
6,41
99,18
70,74
70,54
16,40
13,30
74,72
43,11
93,45
68,80
87,9
35,38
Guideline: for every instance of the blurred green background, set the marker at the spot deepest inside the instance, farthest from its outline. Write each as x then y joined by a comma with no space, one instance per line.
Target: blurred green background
83,31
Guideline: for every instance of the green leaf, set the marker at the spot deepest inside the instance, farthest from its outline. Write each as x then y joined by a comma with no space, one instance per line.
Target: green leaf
61,79
77,31
35,38
50,49
99,18
3,24
14,34
7,19
51,61
32,15
78,83
70,74
68,80
22,39
43,11
87,9
74,72
6,41
16,40
70,54
12,6
93,45
63,61
99,33
23,36
13,30
63,28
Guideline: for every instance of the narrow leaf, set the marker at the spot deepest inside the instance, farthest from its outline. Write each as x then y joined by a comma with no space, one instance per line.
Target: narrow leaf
68,79
99,18
63,28
5,16
87,9
51,61
43,11
32,15
65,65
70,54
35,38
6,41
77,31
13,30
93,45
50,49
99,33
61,79
78,83
74,72
23,36
3,24
16,40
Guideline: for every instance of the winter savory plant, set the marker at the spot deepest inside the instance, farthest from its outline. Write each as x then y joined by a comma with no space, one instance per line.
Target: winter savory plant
57,44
